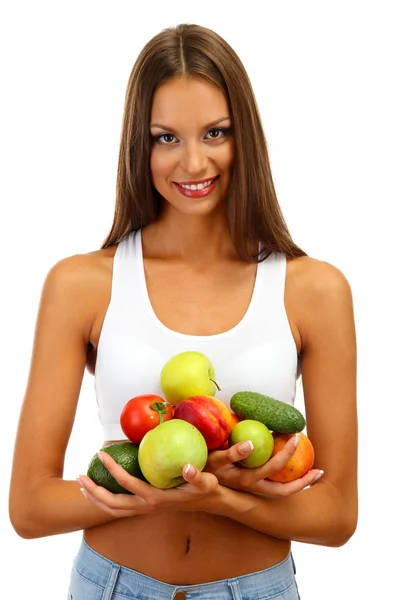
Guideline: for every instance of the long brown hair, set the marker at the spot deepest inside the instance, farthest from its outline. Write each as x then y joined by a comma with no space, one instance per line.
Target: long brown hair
255,216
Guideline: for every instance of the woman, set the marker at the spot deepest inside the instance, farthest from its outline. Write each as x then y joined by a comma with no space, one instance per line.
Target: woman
198,258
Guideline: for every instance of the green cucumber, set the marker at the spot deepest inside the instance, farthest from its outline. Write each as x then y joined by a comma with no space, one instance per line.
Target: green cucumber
276,415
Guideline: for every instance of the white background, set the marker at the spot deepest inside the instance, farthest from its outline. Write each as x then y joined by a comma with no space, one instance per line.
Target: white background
325,75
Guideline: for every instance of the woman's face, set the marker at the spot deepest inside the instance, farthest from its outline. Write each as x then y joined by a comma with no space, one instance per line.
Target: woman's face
193,145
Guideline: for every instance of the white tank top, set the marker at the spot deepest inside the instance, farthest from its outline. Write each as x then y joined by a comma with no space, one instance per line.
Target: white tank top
258,354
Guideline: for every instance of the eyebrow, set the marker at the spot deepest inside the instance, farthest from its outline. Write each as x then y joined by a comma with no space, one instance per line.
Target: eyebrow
160,126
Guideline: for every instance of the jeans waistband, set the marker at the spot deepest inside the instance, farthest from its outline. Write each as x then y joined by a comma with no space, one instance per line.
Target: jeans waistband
268,582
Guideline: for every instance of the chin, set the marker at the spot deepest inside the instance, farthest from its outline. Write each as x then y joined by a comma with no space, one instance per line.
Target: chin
196,207
203,210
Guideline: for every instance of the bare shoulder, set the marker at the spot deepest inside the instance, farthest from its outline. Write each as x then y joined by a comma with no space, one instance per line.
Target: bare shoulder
80,272
76,269
317,292
316,280
78,285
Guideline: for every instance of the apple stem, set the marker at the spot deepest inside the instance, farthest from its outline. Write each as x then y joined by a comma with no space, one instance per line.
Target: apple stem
219,389
159,407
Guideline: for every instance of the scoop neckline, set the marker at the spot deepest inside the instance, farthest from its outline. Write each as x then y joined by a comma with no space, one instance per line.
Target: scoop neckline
186,336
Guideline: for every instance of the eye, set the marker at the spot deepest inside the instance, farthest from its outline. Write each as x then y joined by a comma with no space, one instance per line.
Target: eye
165,138
217,133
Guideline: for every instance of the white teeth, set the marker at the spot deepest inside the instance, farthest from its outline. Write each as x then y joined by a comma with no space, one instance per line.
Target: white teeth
199,186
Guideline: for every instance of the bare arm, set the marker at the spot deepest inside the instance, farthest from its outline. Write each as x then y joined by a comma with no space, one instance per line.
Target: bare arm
40,502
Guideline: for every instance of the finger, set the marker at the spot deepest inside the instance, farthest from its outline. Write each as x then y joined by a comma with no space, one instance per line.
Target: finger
97,502
127,481
106,499
114,512
277,489
204,482
277,462
237,452
250,476
110,501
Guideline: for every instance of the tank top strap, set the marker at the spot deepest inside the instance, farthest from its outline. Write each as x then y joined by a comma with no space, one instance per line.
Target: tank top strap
125,289
269,289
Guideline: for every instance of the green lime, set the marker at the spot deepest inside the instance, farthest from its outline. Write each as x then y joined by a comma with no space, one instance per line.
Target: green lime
260,435
126,455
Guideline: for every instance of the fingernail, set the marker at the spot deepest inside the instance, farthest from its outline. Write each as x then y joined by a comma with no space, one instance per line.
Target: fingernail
79,480
99,454
246,447
296,440
318,475
190,471
84,493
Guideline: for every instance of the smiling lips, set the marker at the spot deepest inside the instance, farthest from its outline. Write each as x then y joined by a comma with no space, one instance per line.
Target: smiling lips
198,189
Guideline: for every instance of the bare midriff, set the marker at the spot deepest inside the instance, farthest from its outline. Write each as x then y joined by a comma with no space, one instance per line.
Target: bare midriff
186,548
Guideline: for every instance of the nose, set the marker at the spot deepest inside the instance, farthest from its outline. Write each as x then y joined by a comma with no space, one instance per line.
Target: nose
194,159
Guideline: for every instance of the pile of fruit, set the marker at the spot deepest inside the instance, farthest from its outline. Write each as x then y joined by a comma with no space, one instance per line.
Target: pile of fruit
166,433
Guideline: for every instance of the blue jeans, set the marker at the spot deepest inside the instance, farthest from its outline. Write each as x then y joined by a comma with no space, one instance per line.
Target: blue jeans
94,577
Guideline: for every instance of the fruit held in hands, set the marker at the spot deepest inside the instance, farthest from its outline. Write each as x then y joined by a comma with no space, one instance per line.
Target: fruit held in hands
142,413
165,450
261,437
211,416
235,419
275,414
187,374
126,455
301,461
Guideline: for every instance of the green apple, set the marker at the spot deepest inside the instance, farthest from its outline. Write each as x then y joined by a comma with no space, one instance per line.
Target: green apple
187,374
166,449
262,439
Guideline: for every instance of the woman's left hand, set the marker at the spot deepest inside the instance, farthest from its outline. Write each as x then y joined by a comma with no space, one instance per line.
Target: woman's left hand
224,465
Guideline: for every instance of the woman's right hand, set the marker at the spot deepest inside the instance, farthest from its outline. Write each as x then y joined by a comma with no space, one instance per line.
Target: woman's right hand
145,498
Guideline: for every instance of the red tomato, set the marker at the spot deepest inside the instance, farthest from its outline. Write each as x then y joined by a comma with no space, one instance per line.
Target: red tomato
142,413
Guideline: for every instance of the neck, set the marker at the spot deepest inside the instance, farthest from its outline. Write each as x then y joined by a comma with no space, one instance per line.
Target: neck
199,240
